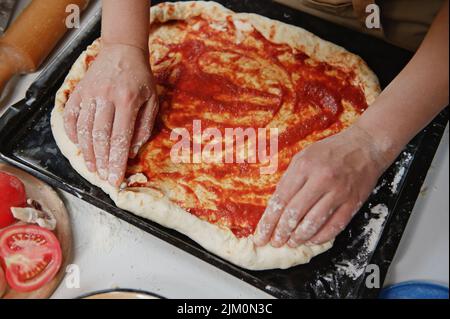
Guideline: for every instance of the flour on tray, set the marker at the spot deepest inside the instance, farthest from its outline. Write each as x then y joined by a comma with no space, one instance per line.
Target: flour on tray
372,233
397,179
379,186
402,165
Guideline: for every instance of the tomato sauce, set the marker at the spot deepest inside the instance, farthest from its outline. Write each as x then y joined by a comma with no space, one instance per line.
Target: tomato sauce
190,92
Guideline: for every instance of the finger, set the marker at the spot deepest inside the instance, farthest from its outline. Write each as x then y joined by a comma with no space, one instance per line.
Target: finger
104,117
335,225
71,113
296,209
317,216
290,184
85,125
269,220
144,125
122,133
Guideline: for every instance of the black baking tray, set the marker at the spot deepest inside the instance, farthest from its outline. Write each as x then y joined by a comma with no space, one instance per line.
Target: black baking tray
27,142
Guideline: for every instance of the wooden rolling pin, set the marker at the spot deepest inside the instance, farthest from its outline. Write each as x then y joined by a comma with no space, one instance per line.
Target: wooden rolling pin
32,36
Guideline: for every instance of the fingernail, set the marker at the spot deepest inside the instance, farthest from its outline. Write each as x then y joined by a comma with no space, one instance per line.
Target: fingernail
261,233
257,239
135,150
311,243
291,243
276,240
103,173
90,166
275,244
113,180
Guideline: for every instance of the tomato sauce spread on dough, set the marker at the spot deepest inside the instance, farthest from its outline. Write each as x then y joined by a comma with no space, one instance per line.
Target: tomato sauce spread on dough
230,78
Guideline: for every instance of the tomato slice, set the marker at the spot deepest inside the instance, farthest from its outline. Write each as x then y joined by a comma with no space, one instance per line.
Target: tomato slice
13,194
31,256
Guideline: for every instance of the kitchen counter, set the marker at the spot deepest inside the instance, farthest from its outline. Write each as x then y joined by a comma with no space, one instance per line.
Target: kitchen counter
110,253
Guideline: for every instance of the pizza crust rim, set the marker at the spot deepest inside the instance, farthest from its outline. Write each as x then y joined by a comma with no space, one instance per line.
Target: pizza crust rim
151,204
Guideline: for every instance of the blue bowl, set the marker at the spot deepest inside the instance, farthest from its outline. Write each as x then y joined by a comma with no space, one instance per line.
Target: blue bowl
415,290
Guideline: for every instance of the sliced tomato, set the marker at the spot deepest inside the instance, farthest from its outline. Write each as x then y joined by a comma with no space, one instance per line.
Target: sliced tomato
2,282
31,256
12,194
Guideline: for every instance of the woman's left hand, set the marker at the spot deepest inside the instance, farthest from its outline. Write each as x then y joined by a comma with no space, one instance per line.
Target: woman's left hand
323,188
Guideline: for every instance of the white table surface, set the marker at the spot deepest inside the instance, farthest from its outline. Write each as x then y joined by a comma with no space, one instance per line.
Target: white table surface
111,253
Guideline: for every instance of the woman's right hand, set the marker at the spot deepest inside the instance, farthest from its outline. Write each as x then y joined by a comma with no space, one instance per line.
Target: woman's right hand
111,112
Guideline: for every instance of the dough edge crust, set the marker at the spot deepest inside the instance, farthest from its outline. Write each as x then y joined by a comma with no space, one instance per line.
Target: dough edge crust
151,204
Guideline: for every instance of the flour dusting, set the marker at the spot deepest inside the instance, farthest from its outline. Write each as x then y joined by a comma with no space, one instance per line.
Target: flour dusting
374,227
397,179
372,232
377,189
107,231
402,165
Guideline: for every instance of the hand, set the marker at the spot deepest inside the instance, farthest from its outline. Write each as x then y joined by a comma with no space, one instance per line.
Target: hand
112,109
323,188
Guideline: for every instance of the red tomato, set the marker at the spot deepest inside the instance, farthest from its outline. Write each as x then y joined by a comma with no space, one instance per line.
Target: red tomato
12,194
31,256
2,282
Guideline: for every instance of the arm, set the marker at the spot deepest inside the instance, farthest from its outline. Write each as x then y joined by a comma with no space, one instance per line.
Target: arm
326,184
416,96
127,24
110,114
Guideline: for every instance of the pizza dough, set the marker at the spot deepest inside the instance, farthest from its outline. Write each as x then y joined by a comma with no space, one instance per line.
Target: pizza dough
202,26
